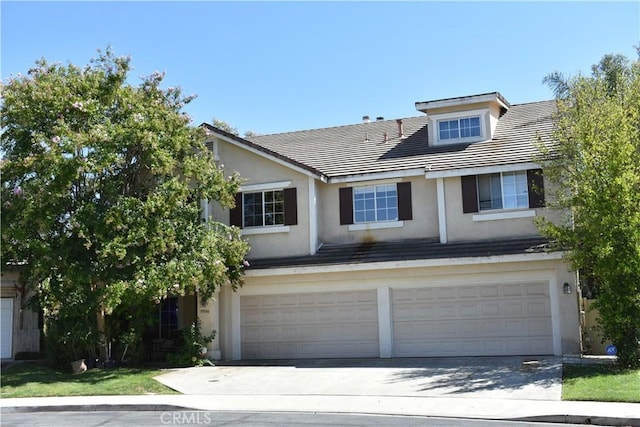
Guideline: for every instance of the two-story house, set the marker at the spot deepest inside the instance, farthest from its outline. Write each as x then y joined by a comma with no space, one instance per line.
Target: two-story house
396,238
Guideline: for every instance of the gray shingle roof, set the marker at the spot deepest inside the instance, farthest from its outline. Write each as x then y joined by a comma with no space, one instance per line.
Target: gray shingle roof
363,149
406,250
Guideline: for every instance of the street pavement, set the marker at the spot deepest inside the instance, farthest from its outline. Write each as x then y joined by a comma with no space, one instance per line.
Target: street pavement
494,388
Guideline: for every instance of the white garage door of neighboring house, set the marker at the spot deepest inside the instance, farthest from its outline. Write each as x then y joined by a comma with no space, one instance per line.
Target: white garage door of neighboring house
310,325
502,319
6,325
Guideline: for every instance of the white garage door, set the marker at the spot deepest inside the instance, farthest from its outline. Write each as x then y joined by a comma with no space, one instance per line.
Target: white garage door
6,325
472,321
328,324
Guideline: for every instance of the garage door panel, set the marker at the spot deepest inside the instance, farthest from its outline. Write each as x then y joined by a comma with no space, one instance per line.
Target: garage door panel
482,320
331,324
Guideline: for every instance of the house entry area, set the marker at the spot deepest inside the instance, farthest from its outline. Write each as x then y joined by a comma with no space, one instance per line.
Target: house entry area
430,321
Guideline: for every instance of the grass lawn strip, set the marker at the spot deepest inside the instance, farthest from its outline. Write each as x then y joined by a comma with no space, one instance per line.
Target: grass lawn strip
31,380
600,383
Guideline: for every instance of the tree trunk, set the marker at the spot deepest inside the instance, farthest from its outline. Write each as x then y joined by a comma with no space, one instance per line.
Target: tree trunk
102,336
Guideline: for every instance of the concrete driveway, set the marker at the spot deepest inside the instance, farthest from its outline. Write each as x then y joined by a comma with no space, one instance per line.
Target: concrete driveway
529,378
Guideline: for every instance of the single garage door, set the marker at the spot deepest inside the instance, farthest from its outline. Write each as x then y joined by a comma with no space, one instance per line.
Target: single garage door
505,319
6,323
327,324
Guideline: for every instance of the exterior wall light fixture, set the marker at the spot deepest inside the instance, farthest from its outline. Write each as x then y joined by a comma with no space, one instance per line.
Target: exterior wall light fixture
566,288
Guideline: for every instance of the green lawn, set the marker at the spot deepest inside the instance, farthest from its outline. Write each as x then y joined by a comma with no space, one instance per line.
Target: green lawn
32,380
600,383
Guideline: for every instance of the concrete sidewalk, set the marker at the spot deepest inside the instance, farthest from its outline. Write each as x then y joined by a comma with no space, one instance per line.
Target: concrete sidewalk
597,413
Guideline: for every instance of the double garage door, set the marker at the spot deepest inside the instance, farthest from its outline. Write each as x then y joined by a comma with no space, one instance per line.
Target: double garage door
501,319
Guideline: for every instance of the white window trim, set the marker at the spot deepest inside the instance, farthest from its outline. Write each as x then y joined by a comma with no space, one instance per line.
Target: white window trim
437,118
374,185
254,188
529,213
261,188
266,229
375,225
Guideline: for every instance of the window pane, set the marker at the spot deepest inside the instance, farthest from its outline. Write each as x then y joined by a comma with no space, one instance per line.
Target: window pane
515,190
484,192
274,207
474,126
252,209
496,192
370,204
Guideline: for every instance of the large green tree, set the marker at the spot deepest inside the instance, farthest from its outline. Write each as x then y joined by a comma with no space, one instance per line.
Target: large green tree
102,183
595,168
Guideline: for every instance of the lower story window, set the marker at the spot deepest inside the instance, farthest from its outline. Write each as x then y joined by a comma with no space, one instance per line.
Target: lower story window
507,190
375,203
168,317
263,208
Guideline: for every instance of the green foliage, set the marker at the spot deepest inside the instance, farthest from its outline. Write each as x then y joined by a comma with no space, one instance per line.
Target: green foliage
101,190
190,353
31,380
595,168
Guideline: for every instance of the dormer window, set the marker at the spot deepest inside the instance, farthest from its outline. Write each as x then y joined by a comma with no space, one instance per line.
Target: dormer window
468,127
466,119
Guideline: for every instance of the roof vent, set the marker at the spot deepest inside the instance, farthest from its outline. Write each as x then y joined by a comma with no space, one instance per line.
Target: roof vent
365,119
400,129
379,119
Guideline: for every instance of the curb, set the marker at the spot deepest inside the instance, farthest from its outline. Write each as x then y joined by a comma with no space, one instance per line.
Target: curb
582,419
557,419
95,408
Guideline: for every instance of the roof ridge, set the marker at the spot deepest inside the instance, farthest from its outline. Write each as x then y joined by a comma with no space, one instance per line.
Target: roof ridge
533,102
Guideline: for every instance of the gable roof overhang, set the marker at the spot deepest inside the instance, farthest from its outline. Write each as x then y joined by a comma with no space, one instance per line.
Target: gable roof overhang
263,152
496,97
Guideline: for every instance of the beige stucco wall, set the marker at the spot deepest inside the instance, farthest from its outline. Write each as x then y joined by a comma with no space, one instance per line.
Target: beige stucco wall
423,224
255,169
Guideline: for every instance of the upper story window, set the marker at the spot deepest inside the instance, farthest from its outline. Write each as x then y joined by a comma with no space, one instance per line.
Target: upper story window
505,190
461,128
375,203
263,208
271,207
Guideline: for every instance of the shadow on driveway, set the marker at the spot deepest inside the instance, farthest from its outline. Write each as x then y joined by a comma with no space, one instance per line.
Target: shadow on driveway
485,374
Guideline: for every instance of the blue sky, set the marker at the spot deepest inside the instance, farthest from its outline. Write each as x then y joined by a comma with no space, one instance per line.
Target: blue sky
281,66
